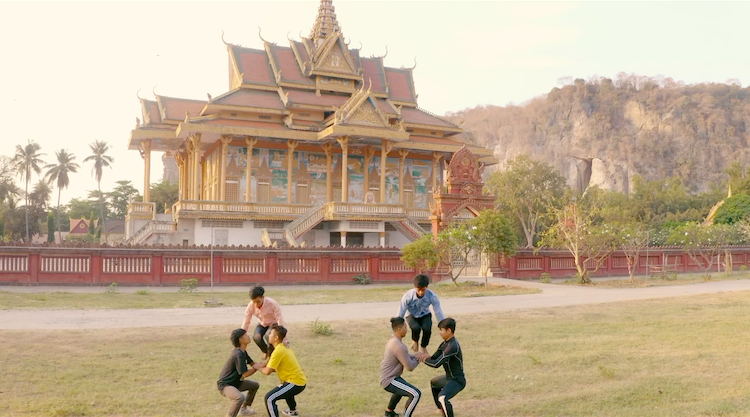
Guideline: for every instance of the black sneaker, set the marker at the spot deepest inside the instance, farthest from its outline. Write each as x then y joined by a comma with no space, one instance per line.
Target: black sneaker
391,414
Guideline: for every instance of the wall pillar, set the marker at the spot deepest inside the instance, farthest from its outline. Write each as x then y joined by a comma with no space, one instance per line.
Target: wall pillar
344,142
188,192
436,156
146,145
369,153
382,239
384,150
328,149
195,139
248,174
225,141
401,166
181,175
292,145
343,239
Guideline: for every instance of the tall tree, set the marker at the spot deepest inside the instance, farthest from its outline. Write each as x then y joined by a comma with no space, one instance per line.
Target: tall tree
28,159
101,160
50,228
166,193
526,189
40,195
121,196
59,173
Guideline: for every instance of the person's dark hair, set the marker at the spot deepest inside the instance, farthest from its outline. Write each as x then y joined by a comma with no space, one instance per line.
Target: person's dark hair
257,292
280,330
421,281
447,323
397,322
236,335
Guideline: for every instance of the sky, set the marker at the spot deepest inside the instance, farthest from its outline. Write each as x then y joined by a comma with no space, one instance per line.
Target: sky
71,72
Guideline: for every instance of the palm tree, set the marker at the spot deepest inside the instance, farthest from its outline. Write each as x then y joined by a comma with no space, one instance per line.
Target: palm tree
27,159
98,154
41,194
59,173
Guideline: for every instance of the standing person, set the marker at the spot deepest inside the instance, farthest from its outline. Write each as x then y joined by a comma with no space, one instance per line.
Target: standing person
231,384
268,312
448,356
395,360
417,302
285,364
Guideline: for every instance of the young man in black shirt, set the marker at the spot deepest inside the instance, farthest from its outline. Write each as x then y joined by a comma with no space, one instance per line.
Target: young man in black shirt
231,383
448,356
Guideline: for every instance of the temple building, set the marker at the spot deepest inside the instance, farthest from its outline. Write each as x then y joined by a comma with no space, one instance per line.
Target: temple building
312,145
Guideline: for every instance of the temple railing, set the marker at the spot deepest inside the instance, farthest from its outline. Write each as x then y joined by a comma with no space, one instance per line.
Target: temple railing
303,224
345,209
418,213
141,210
184,208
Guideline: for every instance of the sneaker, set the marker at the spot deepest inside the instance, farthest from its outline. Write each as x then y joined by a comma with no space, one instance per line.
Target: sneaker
246,411
391,414
290,413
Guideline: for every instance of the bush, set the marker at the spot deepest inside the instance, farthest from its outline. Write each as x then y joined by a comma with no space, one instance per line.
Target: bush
142,292
545,278
188,285
321,328
743,268
362,279
112,288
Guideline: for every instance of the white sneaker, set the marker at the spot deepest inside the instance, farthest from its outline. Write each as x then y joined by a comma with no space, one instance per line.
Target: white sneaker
246,411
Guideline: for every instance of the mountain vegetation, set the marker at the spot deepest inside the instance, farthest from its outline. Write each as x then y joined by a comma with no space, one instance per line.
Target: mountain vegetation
607,132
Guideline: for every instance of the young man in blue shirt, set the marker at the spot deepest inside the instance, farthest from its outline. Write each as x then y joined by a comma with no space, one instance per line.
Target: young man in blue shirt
417,302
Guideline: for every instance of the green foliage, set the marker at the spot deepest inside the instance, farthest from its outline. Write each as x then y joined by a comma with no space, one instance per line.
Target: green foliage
743,268
526,189
421,254
120,196
81,238
362,279
98,233
321,328
703,243
546,278
734,209
50,227
165,194
142,292
91,223
112,288
188,285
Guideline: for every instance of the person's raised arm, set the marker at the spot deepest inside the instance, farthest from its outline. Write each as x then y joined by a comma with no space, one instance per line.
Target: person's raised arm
436,306
402,308
441,356
277,314
248,316
402,354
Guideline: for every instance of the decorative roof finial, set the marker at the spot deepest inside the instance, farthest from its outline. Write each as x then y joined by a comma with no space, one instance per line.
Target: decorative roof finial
325,22
222,38
261,37
138,94
153,90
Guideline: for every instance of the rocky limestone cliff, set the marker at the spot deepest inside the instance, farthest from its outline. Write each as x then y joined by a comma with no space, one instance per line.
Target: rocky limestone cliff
605,132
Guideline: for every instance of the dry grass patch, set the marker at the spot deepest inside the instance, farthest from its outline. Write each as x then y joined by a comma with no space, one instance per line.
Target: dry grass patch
174,299
640,281
674,357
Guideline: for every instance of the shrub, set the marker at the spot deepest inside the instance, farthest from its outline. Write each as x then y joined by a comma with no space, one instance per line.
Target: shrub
321,328
545,278
743,268
112,288
362,279
142,292
188,285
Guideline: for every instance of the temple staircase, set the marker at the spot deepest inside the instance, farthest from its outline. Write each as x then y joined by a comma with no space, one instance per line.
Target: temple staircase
409,228
304,224
153,227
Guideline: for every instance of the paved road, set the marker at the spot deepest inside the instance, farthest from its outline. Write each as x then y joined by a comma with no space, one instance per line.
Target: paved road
551,296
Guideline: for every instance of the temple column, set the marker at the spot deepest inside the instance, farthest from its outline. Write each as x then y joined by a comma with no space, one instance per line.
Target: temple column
328,149
188,193
384,150
401,165
369,153
180,163
196,175
343,239
344,142
292,145
382,239
225,141
248,174
146,145
436,157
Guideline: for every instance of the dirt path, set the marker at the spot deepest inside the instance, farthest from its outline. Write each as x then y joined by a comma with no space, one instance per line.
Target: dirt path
551,296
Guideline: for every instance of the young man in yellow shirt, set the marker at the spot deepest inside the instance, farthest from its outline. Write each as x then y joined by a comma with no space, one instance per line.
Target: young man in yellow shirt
285,364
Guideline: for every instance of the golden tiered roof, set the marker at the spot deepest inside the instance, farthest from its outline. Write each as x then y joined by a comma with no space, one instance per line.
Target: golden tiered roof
314,90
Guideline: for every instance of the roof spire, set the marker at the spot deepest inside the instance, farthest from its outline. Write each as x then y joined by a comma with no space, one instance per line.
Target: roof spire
326,22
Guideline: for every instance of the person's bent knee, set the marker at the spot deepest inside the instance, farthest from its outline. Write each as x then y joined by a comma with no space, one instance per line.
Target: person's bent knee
240,398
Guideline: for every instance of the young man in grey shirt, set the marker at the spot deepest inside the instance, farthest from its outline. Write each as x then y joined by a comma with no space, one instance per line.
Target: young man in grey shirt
395,360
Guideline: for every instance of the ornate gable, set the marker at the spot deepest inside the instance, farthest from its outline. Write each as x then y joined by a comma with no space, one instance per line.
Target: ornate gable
333,56
361,109
465,173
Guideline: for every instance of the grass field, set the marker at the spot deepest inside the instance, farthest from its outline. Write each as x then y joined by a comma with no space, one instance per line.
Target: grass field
674,357
640,281
147,299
